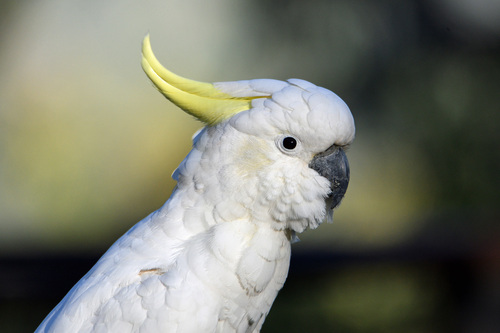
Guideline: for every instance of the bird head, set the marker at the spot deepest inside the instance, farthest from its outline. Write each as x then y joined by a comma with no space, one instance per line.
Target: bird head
271,150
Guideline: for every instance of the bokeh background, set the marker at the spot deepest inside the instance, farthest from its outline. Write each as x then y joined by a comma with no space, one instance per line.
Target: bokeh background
87,147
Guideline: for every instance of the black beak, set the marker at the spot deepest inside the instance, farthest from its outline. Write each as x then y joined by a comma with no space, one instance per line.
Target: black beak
333,165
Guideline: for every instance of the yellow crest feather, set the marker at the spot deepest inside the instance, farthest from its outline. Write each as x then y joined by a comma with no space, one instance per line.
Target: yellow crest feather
200,99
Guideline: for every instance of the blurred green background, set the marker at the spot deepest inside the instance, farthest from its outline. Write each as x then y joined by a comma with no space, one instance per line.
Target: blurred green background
87,147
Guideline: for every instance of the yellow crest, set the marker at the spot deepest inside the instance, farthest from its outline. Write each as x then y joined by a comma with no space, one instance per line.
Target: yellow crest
199,99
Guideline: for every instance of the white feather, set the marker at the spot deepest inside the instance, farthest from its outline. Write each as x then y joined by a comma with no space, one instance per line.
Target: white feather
214,257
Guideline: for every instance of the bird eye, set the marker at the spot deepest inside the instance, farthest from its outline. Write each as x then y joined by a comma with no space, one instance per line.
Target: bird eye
289,143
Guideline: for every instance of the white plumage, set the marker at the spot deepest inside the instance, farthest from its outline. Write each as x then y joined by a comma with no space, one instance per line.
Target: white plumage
214,257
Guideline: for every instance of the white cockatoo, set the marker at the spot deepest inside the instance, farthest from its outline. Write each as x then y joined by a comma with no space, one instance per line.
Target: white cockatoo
268,164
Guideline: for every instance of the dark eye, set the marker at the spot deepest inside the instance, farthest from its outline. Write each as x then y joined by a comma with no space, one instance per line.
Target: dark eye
289,143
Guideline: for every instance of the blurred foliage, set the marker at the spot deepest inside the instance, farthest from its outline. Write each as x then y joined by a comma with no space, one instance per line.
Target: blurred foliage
368,298
451,118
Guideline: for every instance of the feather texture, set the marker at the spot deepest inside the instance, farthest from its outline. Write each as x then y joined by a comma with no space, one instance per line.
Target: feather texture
215,255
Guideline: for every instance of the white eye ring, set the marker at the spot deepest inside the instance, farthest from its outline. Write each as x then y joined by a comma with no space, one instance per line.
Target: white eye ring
287,143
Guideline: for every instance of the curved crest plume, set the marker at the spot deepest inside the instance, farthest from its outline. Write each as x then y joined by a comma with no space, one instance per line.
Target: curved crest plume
200,99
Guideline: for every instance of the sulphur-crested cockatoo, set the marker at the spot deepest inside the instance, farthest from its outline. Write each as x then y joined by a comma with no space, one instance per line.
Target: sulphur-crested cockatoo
268,164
